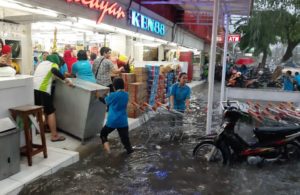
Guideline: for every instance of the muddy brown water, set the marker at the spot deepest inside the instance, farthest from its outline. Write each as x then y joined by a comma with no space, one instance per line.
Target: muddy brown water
166,166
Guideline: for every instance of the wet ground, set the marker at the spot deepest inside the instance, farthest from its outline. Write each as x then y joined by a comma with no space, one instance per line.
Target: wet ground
164,165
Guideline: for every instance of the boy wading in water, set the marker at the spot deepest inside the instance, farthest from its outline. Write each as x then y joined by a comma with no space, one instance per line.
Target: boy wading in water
117,116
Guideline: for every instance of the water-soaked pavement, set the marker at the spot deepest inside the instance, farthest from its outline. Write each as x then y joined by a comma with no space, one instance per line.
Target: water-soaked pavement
164,166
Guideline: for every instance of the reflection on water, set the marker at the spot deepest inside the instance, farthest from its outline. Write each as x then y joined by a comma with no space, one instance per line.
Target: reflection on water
164,166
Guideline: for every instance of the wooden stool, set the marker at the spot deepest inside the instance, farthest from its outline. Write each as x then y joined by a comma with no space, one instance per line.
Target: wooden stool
31,149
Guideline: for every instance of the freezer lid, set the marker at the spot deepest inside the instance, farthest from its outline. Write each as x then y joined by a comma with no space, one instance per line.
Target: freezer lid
89,86
6,124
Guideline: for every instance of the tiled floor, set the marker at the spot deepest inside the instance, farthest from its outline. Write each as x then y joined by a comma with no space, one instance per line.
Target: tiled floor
57,158
60,154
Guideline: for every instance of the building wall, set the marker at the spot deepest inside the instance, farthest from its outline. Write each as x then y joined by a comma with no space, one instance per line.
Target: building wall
76,10
117,43
20,33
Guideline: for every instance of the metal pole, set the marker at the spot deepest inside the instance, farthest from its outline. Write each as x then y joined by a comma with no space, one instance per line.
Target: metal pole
212,60
224,61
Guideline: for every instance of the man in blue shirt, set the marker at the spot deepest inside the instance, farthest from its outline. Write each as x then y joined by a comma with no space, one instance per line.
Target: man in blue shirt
180,94
297,79
117,116
288,81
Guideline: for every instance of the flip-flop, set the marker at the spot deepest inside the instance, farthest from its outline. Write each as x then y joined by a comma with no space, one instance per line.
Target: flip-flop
58,139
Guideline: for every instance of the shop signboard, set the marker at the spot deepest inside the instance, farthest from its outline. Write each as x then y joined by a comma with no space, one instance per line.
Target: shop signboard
146,23
105,7
234,38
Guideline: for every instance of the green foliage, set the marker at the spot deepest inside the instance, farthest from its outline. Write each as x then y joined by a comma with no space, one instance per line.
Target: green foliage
271,21
259,33
278,4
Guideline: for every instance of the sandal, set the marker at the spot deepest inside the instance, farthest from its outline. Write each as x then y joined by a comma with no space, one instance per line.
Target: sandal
58,138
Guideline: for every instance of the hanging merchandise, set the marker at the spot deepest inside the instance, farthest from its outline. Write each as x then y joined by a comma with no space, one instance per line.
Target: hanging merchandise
79,47
54,47
16,66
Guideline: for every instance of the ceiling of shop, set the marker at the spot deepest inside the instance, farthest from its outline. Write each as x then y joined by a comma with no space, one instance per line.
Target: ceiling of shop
205,7
22,17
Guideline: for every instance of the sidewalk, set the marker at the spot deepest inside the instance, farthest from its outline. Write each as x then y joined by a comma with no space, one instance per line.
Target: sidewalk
60,154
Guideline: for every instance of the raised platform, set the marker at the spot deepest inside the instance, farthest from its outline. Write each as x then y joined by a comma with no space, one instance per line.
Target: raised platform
262,94
57,158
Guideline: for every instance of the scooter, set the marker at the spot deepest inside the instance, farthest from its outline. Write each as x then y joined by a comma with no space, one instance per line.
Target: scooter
226,146
239,80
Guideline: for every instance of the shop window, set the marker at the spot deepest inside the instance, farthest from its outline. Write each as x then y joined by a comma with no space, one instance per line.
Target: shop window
150,53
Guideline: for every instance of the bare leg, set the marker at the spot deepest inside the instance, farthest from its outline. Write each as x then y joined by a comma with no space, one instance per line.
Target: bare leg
51,119
106,147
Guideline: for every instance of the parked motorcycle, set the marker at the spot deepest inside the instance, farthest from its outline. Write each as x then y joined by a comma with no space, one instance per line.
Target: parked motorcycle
226,146
239,80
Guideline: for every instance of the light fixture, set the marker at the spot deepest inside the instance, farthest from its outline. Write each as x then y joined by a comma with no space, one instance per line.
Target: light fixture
172,44
27,8
161,41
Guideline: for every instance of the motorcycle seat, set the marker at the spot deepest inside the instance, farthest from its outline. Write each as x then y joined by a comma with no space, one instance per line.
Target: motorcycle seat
280,131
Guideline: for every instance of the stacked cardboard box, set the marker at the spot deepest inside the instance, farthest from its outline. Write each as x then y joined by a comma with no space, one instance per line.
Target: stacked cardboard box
161,89
128,78
170,80
138,94
140,74
152,82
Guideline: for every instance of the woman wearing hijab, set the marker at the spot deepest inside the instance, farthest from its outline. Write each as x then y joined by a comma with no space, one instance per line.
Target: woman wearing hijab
6,70
43,76
69,60
6,55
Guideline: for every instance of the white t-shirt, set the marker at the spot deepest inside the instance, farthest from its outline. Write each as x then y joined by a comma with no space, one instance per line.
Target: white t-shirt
7,71
43,76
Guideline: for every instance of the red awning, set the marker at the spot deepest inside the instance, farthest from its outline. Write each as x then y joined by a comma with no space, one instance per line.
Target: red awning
245,60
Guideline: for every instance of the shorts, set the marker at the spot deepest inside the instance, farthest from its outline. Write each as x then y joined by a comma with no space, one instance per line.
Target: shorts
44,99
111,88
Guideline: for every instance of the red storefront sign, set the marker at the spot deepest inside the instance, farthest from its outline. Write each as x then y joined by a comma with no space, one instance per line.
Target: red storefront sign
104,7
234,38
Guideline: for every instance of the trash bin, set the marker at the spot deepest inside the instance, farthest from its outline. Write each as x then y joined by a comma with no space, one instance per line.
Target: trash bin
78,111
10,148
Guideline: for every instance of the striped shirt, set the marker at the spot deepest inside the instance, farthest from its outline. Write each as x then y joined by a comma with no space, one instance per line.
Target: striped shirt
104,68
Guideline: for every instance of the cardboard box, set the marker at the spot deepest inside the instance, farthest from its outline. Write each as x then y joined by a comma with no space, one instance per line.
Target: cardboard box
137,86
133,111
138,92
128,78
140,70
141,77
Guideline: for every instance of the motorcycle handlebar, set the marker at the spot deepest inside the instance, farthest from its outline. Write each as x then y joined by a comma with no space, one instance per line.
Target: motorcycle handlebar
229,104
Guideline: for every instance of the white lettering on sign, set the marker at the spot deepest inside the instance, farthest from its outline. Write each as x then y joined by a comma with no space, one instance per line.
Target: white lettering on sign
234,38
135,19
146,23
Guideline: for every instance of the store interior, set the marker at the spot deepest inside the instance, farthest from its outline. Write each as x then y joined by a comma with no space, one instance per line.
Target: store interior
26,27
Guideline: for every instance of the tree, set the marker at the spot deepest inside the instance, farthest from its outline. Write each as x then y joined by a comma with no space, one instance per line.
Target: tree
259,33
288,22
272,21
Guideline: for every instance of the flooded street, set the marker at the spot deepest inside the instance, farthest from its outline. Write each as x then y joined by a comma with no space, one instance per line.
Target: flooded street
165,165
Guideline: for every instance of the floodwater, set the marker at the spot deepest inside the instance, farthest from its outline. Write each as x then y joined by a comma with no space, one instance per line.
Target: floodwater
164,165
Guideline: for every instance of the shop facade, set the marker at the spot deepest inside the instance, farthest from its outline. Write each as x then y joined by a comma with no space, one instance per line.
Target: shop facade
125,24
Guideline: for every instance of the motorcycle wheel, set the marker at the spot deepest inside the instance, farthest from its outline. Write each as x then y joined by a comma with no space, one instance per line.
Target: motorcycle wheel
292,151
207,151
